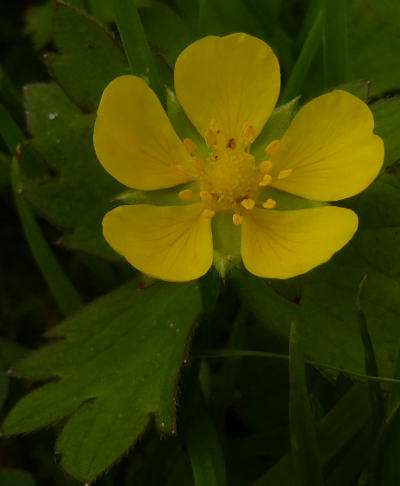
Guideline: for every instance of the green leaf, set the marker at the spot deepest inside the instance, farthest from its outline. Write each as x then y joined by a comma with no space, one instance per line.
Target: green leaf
16,477
300,70
88,57
337,429
5,165
205,453
335,43
387,121
117,365
302,429
3,386
140,57
62,290
9,131
81,191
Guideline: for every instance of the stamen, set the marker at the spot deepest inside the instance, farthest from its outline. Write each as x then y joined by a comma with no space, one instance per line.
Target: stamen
211,138
190,146
273,147
198,163
269,204
208,213
265,166
237,219
231,143
265,181
186,195
248,133
214,126
284,173
248,203
206,196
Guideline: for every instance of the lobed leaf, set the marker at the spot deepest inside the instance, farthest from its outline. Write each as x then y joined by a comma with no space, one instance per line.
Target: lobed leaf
117,366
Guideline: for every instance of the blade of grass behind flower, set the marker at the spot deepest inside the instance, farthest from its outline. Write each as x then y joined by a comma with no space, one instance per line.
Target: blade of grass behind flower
371,366
205,453
300,70
62,290
137,50
336,63
303,439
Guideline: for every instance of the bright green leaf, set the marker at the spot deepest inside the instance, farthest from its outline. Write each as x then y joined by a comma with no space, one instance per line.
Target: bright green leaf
117,365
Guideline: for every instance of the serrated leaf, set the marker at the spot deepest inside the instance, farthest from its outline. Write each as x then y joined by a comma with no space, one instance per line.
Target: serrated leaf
80,193
118,362
88,57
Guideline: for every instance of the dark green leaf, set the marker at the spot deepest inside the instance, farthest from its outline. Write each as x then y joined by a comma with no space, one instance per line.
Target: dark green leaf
80,193
88,57
9,131
205,453
117,366
137,50
62,290
305,454
16,477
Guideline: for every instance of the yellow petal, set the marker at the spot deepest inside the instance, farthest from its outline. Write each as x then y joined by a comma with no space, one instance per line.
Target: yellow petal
232,80
134,139
330,148
168,242
283,244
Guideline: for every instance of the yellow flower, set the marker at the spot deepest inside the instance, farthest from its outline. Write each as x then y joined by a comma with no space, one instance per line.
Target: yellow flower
228,87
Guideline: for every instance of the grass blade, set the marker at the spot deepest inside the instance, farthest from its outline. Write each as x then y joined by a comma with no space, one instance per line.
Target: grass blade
303,437
62,290
299,72
335,43
205,453
136,47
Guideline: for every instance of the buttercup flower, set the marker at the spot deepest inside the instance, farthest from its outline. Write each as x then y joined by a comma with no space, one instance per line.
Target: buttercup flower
227,197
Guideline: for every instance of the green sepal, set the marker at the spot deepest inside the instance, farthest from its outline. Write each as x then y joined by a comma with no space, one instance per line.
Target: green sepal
159,197
226,240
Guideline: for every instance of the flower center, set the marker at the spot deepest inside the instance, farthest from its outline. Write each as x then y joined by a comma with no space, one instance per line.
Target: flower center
229,178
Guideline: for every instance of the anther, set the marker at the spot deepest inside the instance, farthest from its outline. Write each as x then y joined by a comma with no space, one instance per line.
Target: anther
237,219
198,163
248,133
206,196
190,146
211,138
265,181
269,204
231,143
186,195
284,173
208,213
273,147
214,126
265,166
248,203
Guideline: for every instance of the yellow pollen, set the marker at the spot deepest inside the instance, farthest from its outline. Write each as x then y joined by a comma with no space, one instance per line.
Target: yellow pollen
208,213
198,163
178,170
269,204
211,138
190,146
248,133
186,195
284,173
265,180
248,203
206,196
237,219
265,166
273,147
